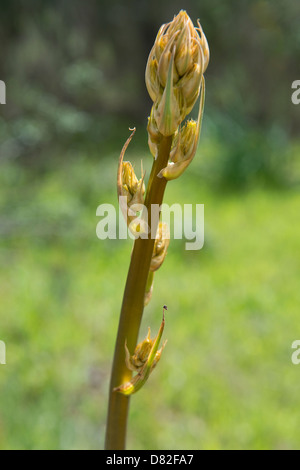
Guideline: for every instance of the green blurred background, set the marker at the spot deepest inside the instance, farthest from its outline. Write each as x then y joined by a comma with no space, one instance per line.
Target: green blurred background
74,73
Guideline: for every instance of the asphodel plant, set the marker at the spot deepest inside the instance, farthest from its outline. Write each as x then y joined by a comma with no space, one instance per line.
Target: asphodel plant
175,82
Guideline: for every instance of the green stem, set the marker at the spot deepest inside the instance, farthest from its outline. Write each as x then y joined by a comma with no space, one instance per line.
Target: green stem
133,307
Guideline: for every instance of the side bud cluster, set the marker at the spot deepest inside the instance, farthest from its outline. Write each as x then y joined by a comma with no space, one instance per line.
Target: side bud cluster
161,244
131,190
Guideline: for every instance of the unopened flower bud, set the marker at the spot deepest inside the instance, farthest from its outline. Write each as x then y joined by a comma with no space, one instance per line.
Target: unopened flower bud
130,191
152,82
145,358
204,46
167,110
132,188
190,85
161,244
185,144
154,136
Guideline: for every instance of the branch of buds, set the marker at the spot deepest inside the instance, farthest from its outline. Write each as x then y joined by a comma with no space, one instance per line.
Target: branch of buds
175,80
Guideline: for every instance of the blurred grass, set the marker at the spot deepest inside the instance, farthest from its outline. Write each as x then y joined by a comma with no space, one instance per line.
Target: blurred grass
225,380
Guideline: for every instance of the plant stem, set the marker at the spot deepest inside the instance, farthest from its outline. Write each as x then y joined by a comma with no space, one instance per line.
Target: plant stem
133,307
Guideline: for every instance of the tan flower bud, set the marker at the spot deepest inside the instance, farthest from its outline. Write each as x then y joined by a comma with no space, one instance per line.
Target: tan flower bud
143,361
183,59
161,245
190,84
160,42
204,46
127,183
185,144
164,63
152,82
167,110
154,136
130,192
132,188
140,355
